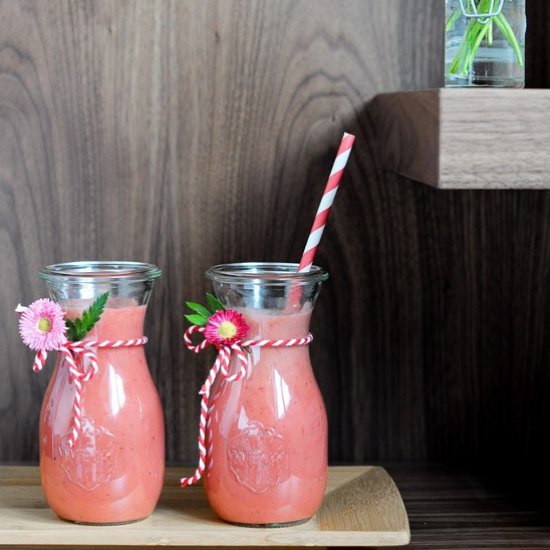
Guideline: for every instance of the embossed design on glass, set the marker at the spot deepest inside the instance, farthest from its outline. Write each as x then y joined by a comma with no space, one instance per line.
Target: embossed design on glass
115,472
258,457
92,461
267,434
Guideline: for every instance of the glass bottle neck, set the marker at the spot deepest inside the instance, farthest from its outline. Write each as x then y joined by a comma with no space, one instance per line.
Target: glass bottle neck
75,285
276,288
128,285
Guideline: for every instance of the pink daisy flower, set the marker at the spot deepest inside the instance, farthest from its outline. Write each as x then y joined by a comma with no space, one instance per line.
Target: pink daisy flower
42,325
225,328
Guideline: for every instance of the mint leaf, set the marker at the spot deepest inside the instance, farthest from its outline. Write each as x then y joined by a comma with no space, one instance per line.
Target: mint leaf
71,330
213,303
196,319
77,329
201,310
92,315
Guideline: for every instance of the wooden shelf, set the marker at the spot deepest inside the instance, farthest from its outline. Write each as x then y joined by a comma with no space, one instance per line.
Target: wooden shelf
362,507
448,508
465,138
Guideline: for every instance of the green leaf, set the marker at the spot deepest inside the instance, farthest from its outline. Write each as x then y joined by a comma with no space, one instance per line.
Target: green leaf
196,319
201,310
79,328
508,32
213,303
453,19
71,330
477,43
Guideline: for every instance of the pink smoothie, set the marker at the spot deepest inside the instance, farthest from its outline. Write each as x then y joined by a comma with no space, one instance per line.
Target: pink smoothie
267,440
115,472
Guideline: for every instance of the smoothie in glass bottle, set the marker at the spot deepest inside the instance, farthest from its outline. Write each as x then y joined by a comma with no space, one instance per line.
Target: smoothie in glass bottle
264,449
267,437
114,473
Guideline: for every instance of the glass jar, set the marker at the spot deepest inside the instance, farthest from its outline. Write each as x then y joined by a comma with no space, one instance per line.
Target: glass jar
114,473
485,43
267,436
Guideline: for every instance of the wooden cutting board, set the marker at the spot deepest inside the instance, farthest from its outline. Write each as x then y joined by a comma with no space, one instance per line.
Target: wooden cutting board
362,507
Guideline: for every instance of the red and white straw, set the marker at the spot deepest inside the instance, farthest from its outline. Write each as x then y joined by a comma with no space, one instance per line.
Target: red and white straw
326,202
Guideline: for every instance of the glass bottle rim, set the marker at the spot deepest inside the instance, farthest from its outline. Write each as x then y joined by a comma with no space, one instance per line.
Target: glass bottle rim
265,273
100,271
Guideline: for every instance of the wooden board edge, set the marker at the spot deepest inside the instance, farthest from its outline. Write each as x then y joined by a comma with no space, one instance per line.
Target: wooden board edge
371,500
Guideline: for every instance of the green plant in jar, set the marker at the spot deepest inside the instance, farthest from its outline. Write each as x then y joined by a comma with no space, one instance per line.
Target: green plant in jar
484,16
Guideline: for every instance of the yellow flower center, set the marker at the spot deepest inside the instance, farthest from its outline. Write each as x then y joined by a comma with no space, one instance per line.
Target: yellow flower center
44,325
227,330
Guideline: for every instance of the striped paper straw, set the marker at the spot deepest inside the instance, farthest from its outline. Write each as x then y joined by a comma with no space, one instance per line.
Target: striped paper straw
326,202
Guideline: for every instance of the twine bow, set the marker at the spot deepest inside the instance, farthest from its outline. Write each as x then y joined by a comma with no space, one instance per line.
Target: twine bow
74,354
221,366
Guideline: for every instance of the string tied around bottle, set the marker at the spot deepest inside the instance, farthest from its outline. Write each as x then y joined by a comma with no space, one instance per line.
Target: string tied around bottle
240,348
82,362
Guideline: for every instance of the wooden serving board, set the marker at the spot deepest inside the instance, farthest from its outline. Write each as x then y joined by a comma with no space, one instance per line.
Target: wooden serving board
362,507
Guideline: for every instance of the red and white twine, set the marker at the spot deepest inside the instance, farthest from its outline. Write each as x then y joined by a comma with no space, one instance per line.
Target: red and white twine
221,365
74,353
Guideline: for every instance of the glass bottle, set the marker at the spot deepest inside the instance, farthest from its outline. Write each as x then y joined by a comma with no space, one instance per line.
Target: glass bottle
485,43
114,473
267,436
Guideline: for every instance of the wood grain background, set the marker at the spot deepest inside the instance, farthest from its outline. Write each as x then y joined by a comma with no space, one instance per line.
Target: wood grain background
191,132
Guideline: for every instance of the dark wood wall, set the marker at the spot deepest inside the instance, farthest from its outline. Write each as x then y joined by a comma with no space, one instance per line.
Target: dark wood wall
192,132
538,44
